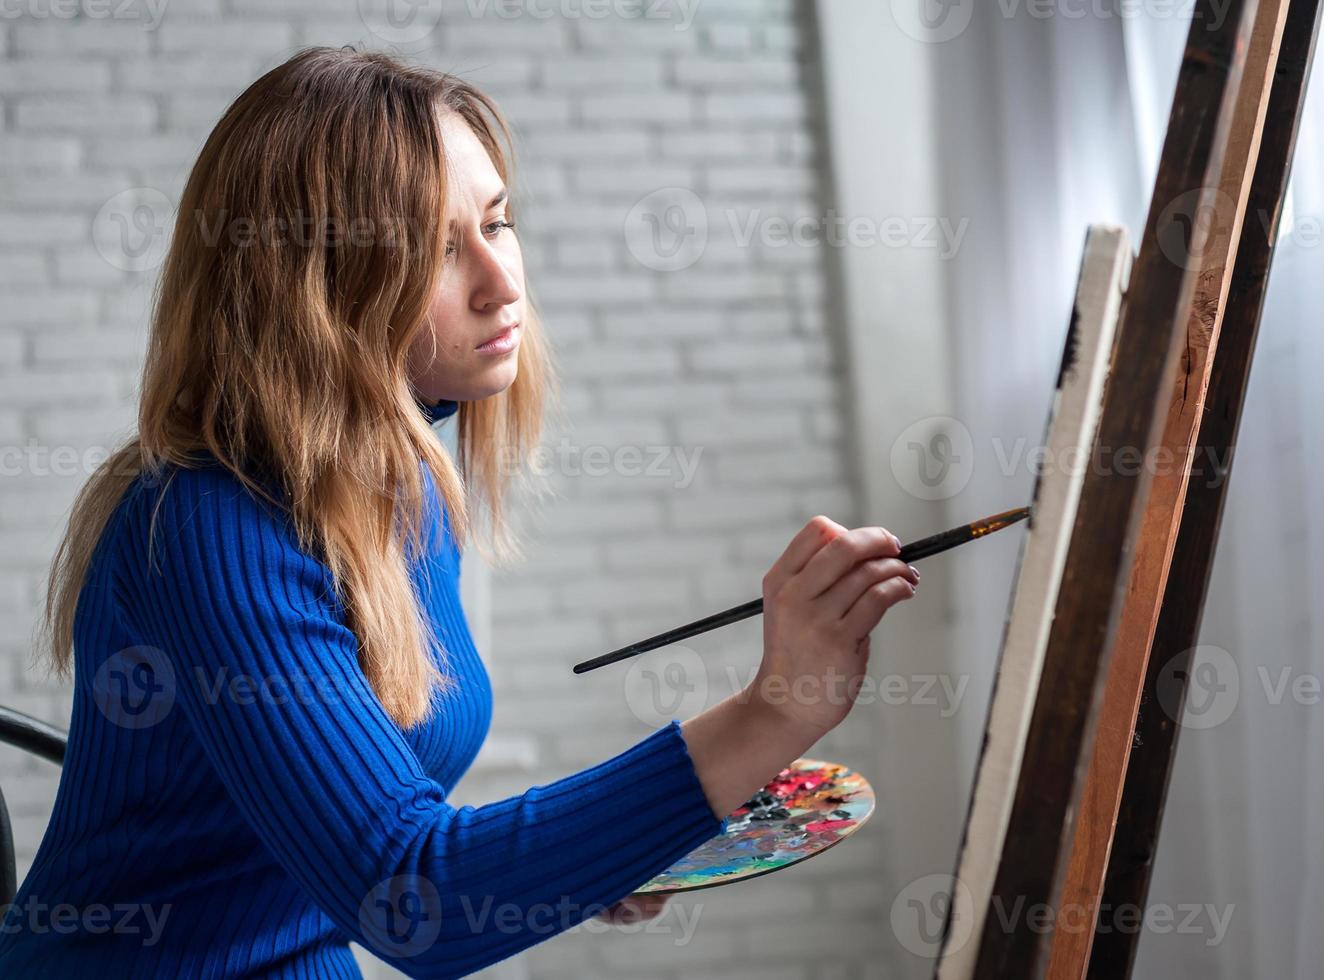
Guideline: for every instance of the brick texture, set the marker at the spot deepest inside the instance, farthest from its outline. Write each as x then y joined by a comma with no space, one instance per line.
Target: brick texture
702,421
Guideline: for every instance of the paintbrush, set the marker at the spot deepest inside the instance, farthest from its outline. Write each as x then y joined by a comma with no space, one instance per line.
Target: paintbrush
914,551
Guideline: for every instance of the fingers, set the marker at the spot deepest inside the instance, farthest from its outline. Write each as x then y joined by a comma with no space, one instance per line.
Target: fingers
838,600
830,563
635,908
811,538
868,609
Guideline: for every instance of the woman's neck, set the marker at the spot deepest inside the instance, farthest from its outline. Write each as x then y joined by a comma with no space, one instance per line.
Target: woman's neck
441,410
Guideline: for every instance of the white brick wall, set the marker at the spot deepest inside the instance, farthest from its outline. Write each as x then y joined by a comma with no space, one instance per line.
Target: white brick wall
731,358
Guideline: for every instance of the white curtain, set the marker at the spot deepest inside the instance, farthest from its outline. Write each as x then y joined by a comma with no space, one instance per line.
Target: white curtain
1052,123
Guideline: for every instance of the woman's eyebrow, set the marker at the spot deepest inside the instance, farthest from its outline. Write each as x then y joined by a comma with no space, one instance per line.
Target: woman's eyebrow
502,195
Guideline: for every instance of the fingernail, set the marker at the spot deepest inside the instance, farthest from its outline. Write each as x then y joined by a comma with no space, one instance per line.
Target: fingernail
915,571
896,541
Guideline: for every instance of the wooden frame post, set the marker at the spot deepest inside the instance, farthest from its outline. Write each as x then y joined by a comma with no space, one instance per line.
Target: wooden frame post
1126,606
1144,792
1078,908
1151,341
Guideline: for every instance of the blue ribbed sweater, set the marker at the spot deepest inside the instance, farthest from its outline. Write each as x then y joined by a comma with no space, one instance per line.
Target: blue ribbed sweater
235,801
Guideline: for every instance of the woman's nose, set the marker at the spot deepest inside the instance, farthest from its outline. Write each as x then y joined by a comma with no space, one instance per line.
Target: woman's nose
496,284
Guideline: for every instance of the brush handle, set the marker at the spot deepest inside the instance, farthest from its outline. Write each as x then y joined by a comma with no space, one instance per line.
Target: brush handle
914,551
911,552
724,618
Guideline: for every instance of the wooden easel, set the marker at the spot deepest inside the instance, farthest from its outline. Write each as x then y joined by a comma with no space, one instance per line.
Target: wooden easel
1131,593
1140,810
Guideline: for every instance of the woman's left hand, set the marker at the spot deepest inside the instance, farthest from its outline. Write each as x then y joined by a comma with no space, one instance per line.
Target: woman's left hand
634,908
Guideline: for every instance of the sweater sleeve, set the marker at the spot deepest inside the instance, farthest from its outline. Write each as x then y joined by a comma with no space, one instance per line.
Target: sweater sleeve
329,783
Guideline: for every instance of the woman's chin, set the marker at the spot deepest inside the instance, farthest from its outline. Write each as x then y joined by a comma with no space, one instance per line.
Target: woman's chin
495,380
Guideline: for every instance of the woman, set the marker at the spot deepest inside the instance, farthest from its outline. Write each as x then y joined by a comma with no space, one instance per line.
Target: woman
274,685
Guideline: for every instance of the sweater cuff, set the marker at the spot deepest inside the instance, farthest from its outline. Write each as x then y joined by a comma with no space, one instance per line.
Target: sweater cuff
673,733
650,806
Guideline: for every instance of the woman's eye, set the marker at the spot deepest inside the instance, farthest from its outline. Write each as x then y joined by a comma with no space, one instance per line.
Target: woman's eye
490,230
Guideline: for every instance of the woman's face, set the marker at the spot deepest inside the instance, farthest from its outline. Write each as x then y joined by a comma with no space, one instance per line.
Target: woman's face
480,293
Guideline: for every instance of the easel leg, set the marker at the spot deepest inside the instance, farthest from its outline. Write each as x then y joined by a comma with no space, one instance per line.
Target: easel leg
1145,789
1147,356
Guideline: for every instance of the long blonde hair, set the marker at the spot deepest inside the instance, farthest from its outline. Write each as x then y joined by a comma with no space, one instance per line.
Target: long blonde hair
285,345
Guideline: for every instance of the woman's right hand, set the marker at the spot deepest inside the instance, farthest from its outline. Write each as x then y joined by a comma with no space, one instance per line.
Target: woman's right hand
821,600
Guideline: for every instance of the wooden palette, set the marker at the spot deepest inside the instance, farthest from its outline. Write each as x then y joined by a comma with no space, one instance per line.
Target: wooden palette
807,807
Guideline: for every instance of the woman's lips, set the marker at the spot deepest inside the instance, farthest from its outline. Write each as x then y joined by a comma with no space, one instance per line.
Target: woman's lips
502,343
